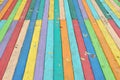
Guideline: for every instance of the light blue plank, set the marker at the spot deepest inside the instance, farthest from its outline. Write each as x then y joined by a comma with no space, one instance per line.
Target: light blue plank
77,67
48,69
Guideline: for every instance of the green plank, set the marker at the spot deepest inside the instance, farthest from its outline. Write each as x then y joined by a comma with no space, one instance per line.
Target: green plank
41,10
57,56
100,54
72,9
103,10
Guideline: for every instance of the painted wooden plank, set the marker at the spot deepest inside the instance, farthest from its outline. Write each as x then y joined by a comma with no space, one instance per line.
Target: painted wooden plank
30,65
8,51
3,4
62,13
82,10
19,71
95,14
40,13
31,8
114,26
67,61
8,35
6,15
7,24
72,10
106,14
5,8
77,67
51,10
58,73
48,66
39,68
21,7
15,54
1,1
66,54
113,63
113,47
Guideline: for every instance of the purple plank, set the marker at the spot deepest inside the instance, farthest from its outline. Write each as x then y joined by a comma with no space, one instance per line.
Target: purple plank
3,44
3,4
41,49
82,8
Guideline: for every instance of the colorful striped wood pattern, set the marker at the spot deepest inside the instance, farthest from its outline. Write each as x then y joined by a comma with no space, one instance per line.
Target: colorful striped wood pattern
59,39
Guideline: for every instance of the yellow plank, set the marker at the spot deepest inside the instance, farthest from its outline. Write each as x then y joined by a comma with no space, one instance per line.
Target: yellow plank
19,12
109,28
16,52
113,8
29,70
51,10
1,1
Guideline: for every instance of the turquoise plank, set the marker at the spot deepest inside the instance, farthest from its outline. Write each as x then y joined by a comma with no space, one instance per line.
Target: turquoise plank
77,66
58,73
48,69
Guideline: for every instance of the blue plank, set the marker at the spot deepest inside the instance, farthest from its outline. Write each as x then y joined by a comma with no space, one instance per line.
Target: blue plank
19,71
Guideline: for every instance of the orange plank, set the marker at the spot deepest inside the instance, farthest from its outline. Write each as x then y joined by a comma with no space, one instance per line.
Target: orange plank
67,62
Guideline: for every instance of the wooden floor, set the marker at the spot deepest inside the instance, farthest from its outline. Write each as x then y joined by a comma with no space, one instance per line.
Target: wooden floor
59,39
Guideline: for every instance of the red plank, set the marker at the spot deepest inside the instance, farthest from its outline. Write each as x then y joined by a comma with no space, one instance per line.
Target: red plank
115,27
82,50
